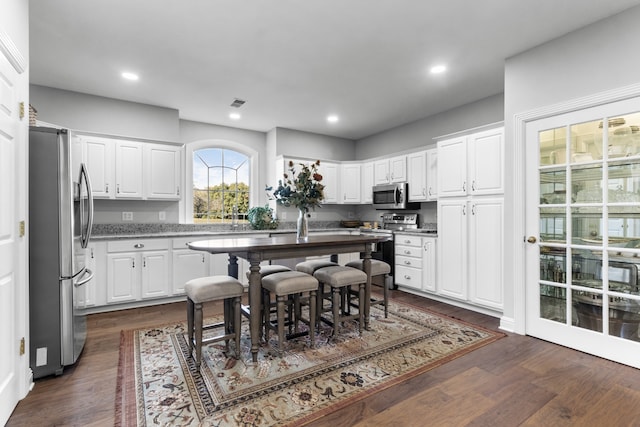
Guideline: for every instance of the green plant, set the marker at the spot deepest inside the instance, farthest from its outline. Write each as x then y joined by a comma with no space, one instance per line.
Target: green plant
261,218
301,190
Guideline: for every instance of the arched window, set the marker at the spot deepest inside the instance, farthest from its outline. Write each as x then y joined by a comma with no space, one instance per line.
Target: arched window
221,189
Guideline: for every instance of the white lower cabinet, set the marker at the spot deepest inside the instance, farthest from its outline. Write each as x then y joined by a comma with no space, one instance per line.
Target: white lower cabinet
408,271
416,262
137,269
470,250
186,264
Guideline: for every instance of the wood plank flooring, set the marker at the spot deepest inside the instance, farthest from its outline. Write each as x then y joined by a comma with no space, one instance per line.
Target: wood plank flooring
516,381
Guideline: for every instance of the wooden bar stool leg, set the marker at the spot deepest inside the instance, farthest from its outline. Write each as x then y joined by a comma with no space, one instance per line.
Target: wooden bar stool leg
190,309
312,318
280,307
237,324
336,298
361,307
198,332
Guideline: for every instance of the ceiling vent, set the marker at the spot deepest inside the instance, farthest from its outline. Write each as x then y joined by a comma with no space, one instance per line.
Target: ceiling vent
237,103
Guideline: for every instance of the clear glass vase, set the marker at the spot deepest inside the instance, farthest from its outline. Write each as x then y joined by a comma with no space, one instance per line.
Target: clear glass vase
302,230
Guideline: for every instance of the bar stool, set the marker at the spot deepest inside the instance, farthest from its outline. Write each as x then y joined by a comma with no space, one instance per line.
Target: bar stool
379,272
284,285
213,288
339,278
310,267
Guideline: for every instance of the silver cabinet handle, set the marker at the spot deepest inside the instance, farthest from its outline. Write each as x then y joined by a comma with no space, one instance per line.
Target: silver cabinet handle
407,277
464,210
407,252
144,261
118,188
138,245
407,263
178,190
464,186
407,241
473,185
473,209
106,188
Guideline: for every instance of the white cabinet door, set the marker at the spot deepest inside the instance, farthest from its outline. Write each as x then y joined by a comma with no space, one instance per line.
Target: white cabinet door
98,155
486,252
398,169
187,265
122,277
381,174
429,247
128,170
86,293
367,182
350,182
417,176
155,274
452,248
486,162
329,172
162,171
432,174
452,167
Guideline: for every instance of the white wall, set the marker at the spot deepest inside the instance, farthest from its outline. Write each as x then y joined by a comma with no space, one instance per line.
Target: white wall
294,143
420,134
80,111
599,57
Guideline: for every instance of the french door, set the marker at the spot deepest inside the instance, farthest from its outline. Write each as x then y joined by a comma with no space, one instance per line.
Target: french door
583,220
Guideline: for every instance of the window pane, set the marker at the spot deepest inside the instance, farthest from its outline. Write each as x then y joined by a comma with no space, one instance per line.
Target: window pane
553,146
586,142
553,303
588,306
586,184
553,186
221,182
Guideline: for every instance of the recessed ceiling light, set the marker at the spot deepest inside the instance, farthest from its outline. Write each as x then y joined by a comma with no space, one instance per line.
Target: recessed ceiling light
438,69
234,116
332,118
129,76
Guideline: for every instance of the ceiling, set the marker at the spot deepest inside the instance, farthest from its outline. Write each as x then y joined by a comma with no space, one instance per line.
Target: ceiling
294,61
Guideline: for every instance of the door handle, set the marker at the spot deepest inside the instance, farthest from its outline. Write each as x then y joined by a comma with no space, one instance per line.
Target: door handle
532,239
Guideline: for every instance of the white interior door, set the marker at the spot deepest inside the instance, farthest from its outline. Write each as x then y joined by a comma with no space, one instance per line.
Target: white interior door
583,219
13,172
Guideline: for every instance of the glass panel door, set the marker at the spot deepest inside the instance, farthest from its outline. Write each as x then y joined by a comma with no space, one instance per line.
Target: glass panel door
583,200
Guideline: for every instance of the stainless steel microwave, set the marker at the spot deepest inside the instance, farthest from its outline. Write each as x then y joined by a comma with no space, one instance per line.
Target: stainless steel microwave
392,196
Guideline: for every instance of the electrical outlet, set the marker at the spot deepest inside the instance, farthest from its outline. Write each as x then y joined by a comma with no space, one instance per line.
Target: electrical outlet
127,216
162,215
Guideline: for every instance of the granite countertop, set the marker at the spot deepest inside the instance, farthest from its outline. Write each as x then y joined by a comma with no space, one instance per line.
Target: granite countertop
137,231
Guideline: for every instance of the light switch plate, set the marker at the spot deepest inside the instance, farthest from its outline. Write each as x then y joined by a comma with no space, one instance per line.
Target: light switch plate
162,215
127,216
41,356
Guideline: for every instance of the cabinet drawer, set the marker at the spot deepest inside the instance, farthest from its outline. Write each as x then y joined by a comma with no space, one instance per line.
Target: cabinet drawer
403,261
409,251
408,276
137,245
406,240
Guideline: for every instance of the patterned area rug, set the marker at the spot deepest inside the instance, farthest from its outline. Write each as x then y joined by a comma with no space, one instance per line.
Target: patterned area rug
158,384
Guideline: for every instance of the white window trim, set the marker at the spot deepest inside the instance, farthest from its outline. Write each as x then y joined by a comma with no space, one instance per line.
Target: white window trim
186,204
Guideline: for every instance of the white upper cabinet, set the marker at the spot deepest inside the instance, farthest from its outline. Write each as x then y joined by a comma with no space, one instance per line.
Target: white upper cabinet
128,170
471,164
390,170
330,172
452,170
122,169
417,176
432,174
367,182
98,154
162,170
350,182
486,162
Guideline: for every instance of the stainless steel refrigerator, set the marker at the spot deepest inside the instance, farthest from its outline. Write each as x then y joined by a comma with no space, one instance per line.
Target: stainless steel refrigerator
60,220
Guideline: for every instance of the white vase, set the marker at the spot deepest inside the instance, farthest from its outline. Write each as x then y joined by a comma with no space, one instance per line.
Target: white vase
302,230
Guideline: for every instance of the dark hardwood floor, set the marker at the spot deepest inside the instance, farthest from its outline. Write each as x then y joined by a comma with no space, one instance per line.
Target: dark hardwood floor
515,381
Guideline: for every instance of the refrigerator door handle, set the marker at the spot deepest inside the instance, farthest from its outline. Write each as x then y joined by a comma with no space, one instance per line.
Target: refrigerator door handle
86,233
87,276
